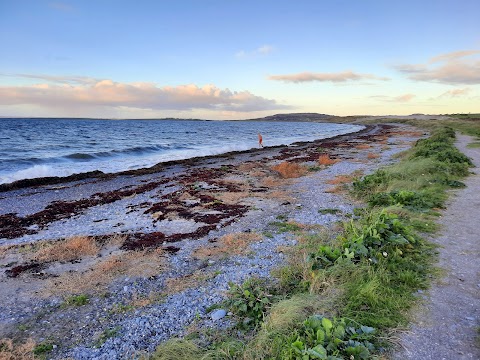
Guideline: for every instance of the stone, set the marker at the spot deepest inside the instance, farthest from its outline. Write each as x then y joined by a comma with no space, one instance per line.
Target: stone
218,314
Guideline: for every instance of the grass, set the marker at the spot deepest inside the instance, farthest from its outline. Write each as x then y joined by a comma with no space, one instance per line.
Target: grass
105,335
229,244
288,170
77,300
325,160
329,211
367,274
132,263
475,144
67,250
17,351
286,226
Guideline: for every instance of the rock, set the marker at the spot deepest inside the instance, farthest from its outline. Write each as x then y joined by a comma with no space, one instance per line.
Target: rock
218,314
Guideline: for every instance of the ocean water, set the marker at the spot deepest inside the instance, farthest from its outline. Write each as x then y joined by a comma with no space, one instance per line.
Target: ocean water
31,148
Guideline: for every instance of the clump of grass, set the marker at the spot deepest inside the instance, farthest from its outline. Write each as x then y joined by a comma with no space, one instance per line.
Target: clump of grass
340,179
288,170
475,144
287,226
42,349
67,250
105,335
77,300
271,181
229,244
329,211
175,349
133,263
324,159
363,146
11,351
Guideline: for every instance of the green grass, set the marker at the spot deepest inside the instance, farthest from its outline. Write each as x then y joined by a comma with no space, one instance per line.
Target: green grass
367,275
475,144
76,300
283,227
41,350
329,211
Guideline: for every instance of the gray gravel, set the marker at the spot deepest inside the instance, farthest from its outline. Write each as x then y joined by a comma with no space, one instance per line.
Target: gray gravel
445,326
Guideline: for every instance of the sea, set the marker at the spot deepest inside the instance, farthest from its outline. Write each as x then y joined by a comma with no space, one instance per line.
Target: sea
32,148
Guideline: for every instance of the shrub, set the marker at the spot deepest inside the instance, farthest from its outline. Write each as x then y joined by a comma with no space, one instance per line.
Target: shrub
250,302
322,338
370,182
414,200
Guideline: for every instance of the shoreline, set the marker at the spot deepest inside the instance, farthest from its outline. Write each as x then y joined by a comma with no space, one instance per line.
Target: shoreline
181,219
51,180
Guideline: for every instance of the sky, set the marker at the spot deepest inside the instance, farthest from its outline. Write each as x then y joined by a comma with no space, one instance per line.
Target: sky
226,59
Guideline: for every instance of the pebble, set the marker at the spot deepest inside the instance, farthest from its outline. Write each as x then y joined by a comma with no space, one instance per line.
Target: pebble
218,314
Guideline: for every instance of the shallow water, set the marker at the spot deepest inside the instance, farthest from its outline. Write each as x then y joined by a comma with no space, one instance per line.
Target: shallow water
32,148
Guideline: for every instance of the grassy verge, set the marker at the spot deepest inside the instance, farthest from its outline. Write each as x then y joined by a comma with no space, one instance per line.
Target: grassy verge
340,295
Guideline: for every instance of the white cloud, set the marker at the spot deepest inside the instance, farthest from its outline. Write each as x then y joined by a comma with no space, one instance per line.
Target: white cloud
325,77
107,93
459,67
260,51
398,99
456,92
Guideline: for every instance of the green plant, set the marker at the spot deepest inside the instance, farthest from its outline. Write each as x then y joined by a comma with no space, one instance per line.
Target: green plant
377,235
329,211
43,348
283,227
322,338
77,300
325,256
120,308
268,234
371,182
106,334
415,200
250,302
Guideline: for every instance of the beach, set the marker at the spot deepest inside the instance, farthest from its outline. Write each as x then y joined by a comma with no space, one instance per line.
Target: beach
152,249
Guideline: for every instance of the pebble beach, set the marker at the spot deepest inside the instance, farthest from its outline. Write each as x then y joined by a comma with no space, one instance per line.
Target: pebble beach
171,239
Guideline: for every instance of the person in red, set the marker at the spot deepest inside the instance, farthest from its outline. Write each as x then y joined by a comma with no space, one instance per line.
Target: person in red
260,140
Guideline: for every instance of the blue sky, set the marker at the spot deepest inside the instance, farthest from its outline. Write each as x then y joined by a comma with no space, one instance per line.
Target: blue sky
238,59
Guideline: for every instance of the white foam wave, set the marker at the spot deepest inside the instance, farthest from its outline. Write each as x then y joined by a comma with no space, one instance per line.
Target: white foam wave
120,163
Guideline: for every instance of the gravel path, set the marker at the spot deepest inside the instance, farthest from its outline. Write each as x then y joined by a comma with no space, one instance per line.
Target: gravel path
446,325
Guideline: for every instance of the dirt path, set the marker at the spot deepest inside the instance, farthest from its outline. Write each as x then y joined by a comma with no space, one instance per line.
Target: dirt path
446,325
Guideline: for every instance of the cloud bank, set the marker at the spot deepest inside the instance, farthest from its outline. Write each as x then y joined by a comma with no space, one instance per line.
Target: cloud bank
339,77
459,67
398,99
83,91
456,92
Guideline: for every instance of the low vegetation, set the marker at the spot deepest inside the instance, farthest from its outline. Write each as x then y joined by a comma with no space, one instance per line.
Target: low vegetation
324,159
67,250
340,295
11,351
289,170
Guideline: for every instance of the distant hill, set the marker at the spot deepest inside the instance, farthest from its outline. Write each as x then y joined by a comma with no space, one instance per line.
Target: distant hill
307,117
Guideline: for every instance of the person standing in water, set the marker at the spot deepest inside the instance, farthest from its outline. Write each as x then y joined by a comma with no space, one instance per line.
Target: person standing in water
260,140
